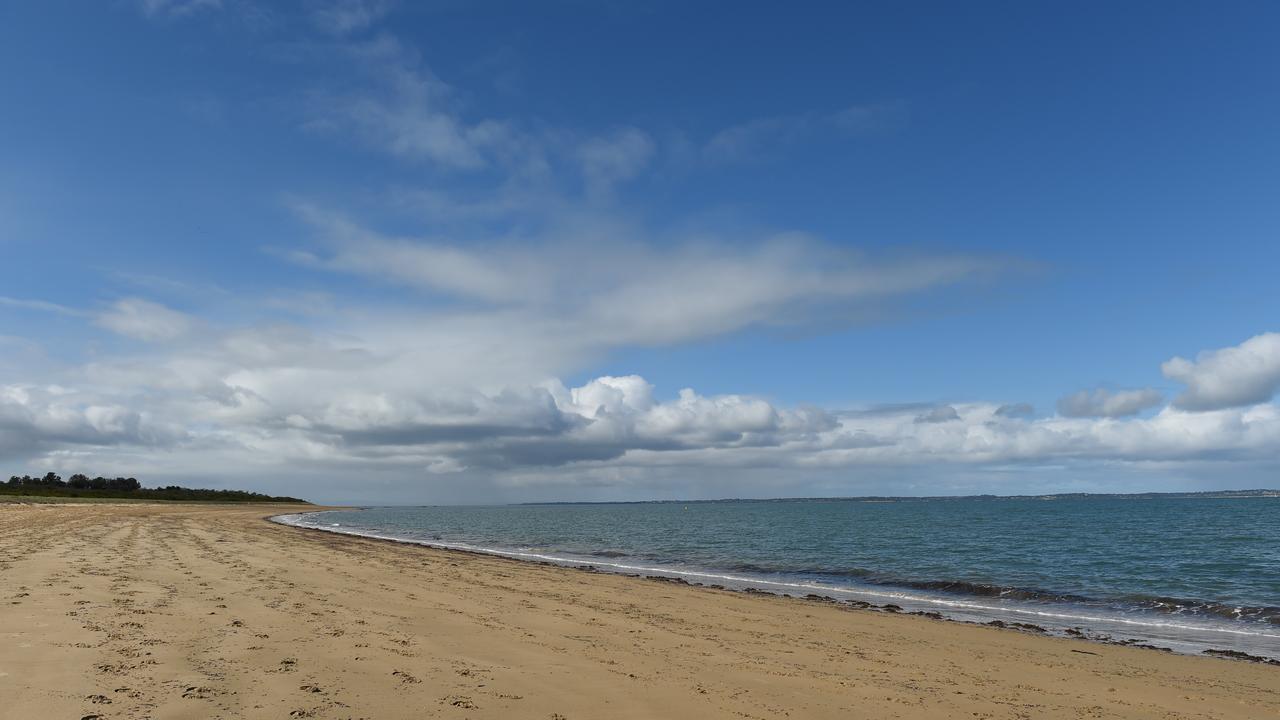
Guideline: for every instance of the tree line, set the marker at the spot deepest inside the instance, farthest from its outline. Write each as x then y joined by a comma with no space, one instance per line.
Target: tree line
80,485
78,482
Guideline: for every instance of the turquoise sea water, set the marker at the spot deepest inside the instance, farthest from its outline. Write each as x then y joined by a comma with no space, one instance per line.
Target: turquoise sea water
1185,573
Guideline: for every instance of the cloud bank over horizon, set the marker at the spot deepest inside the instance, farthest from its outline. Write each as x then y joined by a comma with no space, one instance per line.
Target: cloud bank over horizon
432,397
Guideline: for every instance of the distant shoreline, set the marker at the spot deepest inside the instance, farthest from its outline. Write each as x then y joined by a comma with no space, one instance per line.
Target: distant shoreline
1202,495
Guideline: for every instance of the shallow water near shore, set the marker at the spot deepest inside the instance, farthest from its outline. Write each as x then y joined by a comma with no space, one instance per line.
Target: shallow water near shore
1188,574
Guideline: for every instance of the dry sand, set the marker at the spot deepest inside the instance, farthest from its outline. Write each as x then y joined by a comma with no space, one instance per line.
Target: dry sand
185,611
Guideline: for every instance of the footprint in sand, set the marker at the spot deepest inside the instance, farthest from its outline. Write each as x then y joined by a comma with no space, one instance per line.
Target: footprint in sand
196,692
406,677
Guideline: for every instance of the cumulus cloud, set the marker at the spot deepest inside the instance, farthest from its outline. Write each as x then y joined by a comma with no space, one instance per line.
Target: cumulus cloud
1102,402
470,388
424,404
40,418
1245,374
259,394
942,413
144,320
1016,410
981,435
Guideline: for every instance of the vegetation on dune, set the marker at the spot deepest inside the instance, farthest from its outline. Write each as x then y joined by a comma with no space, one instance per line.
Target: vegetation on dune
79,485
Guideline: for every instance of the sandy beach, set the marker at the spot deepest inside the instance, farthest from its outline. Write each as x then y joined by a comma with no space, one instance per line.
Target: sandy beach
187,611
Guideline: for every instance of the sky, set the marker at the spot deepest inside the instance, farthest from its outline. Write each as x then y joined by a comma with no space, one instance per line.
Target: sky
369,251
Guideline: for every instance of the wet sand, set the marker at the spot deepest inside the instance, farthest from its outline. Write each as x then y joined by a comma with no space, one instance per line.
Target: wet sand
200,611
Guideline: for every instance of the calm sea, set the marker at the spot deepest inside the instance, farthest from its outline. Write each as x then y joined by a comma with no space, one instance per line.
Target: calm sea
1185,573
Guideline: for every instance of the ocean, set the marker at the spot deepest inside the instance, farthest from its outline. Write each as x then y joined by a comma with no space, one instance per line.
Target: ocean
1187,574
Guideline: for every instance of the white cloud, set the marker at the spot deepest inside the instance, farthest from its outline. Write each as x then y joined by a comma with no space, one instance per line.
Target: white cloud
473,394
144,320
1016,410
341,17
1102,402
596,287
940,414
35,419
402,108
756,137
1245,374
607,395
177,8
267,398
607,161
38,305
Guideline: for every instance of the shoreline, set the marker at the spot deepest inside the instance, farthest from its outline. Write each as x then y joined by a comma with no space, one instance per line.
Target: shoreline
945,609
133,611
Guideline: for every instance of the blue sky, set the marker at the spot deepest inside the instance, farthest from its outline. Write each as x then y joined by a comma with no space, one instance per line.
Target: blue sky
819,219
